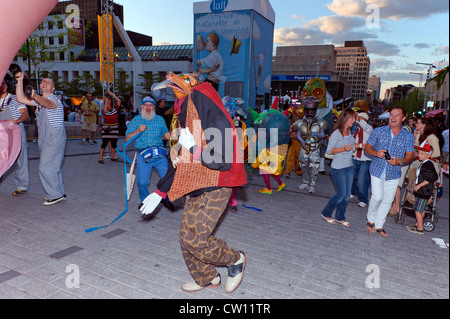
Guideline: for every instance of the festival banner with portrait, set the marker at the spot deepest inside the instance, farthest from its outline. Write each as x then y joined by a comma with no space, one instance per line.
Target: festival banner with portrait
233,51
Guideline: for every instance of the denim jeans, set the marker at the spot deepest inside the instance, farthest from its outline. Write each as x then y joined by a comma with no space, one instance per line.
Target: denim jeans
144,170
361,180
343,179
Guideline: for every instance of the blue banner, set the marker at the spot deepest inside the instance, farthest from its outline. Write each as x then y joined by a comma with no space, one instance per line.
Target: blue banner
299,77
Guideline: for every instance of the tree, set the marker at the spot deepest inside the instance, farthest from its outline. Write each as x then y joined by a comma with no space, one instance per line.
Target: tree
35,50
122,86
81,84
412,102
440,77
148,79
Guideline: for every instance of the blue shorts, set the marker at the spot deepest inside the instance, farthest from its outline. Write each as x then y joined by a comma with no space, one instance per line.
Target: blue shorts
420,204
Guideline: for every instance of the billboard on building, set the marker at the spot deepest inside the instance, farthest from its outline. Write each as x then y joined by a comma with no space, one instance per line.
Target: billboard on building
233,43
76,32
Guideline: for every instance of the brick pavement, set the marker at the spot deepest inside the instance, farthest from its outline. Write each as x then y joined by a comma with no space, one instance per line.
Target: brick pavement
292,252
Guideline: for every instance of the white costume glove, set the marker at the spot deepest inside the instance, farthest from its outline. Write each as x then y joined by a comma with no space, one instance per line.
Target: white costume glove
186,138
149,204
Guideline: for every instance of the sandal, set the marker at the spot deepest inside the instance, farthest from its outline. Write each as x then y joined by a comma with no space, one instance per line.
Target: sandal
415,230
114,159
329,220
370,228
101,161
382,232
343,222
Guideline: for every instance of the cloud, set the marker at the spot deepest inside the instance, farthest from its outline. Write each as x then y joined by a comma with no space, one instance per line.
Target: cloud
298,36
399,77
163,43
335,24
303,36
441,50
294,17
390,9
381,48
422,45
381,64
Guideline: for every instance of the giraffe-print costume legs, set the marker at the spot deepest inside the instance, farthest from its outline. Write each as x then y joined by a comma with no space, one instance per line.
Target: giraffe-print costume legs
202,251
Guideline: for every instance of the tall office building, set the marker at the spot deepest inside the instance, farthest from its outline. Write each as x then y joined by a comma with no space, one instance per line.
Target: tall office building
353,63
375,86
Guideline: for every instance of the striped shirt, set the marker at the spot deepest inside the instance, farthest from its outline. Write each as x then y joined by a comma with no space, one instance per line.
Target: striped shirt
110,117
14,106
382,138
55,116
152,136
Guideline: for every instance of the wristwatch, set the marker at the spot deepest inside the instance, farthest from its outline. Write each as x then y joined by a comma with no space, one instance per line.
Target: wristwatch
401,162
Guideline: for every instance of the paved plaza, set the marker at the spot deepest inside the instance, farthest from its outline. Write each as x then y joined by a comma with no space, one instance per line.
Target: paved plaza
292,252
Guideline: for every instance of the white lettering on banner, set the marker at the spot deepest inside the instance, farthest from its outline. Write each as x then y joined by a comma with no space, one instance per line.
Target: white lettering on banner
226,24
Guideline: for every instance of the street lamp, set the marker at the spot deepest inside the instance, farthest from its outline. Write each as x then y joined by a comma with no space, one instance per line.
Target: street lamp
420,78
420,81
430,66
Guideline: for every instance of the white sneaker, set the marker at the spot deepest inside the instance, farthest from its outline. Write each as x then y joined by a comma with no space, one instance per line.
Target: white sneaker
49,202
303,186
362,204
236,273
193,286
312,189
352,196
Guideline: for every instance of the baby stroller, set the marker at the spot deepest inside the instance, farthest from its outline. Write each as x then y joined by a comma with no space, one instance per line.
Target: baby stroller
408,198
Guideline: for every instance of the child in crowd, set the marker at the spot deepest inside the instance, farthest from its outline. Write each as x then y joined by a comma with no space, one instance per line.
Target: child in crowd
426,176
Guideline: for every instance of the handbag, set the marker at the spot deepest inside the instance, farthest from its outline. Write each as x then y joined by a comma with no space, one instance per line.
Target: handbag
131,178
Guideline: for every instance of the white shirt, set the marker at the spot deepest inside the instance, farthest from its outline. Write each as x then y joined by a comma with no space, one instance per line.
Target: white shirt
214,58
367,129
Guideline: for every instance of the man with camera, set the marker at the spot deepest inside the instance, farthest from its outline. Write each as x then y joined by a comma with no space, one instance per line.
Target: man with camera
52,136
390,146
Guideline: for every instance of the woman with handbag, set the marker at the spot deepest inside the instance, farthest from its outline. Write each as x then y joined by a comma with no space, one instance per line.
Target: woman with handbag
341,146
110,126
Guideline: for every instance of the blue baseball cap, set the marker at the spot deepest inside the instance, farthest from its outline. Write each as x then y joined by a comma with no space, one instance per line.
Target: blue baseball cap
148,99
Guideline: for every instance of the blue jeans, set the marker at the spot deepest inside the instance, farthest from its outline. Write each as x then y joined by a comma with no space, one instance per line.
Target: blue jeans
343,179
144,170
361,180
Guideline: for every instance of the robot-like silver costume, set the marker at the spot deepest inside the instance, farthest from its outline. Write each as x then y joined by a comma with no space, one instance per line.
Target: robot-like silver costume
310,133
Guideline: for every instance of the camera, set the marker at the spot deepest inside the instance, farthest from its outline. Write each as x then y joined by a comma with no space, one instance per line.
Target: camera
387,156
28,89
